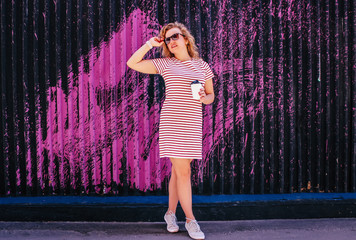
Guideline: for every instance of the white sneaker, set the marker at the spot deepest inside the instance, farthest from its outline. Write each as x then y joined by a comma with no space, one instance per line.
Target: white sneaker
193,229
171,221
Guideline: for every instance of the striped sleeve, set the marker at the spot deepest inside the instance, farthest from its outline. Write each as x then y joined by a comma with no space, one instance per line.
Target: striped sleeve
160,64
207,71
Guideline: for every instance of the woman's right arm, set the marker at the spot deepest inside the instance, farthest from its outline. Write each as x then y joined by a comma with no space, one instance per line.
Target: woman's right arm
145,66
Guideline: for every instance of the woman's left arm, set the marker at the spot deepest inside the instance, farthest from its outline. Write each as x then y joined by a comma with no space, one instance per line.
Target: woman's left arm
207,92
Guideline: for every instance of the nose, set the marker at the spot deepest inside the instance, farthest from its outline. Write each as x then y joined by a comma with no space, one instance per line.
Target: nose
172,41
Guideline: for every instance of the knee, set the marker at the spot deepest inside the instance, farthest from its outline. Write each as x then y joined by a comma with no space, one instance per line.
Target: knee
181,168
183,173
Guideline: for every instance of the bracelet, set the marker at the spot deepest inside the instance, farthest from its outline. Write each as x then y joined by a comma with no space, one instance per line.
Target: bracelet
149,44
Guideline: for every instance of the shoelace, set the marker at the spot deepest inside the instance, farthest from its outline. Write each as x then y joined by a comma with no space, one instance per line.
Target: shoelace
193,224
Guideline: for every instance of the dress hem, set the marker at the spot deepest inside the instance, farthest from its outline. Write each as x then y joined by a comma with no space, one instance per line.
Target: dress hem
189,157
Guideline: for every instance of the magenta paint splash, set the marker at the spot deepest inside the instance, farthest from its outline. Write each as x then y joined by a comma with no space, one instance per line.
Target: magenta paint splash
99,124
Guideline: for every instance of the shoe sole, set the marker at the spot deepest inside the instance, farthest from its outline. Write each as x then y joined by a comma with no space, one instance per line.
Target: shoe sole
196,238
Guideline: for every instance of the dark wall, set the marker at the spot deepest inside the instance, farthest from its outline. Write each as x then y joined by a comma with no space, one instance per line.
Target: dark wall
76,121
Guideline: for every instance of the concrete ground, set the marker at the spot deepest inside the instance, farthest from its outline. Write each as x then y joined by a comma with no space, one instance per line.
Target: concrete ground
304,229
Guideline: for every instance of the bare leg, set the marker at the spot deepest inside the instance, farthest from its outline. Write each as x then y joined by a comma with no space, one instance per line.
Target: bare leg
184,188
173,192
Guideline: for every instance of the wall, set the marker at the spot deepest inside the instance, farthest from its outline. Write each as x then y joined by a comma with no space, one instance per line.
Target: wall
76,121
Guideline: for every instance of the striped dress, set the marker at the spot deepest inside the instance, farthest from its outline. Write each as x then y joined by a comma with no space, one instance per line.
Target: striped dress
180,127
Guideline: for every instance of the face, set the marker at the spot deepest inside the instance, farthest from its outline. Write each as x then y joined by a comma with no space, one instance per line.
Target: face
176,44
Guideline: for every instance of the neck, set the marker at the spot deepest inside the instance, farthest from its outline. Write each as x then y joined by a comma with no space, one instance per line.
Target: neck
183,57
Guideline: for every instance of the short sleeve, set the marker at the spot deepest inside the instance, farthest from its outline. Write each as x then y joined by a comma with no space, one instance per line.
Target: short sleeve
207,71
160,64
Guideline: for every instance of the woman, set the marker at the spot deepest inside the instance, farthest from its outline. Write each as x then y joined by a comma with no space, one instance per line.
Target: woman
180,129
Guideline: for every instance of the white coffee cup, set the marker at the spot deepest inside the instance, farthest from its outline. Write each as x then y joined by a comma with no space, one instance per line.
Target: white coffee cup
196,86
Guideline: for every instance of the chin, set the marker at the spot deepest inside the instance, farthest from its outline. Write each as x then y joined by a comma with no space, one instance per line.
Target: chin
174,50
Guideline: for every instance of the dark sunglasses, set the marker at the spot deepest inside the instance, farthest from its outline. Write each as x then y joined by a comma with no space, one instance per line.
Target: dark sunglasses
174,37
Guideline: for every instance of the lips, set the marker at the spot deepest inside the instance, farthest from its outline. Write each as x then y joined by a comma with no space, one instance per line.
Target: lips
173,46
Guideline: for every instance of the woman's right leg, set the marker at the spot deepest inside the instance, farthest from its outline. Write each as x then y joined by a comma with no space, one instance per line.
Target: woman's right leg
173,192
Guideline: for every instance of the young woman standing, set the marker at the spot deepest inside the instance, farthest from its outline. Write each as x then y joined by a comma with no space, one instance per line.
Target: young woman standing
180,129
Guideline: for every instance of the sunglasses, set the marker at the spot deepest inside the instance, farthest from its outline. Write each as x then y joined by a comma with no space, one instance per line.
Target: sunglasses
174,37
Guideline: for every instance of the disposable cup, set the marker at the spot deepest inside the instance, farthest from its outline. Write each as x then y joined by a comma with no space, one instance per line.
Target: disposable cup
196,86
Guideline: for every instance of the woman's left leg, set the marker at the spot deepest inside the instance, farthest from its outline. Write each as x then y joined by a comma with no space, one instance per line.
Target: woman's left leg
184,188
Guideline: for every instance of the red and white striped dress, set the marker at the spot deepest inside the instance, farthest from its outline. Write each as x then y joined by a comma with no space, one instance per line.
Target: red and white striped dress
180,127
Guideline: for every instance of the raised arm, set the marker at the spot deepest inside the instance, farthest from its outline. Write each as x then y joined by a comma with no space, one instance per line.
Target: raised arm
145,66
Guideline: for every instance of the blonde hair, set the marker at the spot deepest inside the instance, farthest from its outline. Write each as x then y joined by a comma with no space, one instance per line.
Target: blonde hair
191,47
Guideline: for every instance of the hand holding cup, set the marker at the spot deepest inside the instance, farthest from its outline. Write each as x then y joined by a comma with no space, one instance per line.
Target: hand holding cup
202,94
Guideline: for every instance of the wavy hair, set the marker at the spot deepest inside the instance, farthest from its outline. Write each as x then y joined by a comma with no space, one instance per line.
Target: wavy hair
191,47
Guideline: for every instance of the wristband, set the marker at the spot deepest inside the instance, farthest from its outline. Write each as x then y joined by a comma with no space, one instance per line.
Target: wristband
149,44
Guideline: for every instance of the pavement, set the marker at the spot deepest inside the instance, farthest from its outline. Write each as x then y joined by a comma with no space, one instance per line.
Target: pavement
289,229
